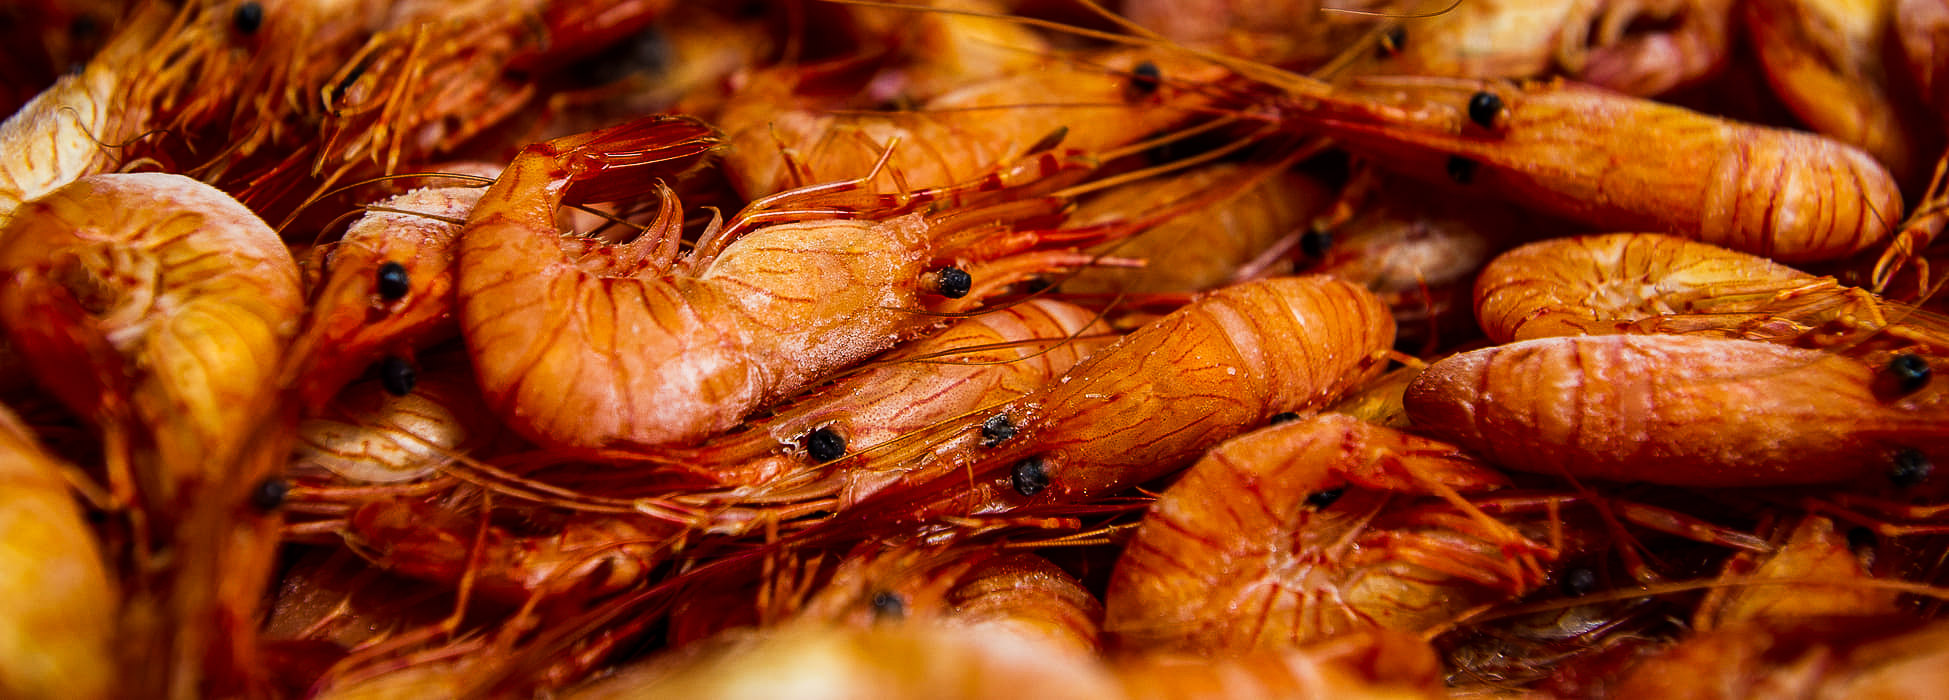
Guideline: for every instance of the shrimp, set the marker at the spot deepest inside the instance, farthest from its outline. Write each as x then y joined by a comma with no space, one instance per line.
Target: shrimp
115,292
1652,283
387,290
1316,551
1089,104
60,135
1638,48
1793,582
972,365
1578,152
1922,29
58,623
1679,410
674,355
1826,61
1597,284
1203,249
370,434
1147,404
1286,32
971,586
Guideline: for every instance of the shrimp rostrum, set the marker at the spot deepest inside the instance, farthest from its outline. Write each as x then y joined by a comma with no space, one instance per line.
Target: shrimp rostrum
688,347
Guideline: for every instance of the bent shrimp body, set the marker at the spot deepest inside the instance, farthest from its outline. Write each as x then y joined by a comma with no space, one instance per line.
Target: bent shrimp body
1287,525
572,358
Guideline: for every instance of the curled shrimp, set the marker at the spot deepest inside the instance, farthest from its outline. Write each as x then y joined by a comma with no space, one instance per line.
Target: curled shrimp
1827,61
157,306
685,350
1679,410
1303,529
1652,283
58,624
1580,152
63,133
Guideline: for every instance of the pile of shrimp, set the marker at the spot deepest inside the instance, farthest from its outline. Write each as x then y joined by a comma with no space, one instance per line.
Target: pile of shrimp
974,348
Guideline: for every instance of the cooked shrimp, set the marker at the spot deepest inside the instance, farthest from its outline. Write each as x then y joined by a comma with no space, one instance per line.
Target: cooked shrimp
1581,152
673,355
1833,657
1827,60
1320,537
58,618
1147,404
1376,664
991,126
372,433
1679,410
1815,572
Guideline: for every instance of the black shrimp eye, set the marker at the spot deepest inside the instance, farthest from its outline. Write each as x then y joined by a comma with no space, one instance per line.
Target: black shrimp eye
1484,108
1461,170
953,282
1321,500
1144,80
269,493
1315,242
248,18
1859,537
1392,42
997,430
1906,374
1910,467
825,444
397,375
393,283
1030,476
1579,582
887,605
1282,417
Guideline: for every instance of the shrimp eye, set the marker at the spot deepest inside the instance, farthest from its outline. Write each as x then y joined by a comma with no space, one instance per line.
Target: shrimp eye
1282,417
887,605
1859,537
1030,476
1906,374
825,444
1315,242
248,18
997,430
1578,582
1320,500
1392,42
1910,467
1144,80
953,282
1484,107
397,375
269,493
1461,170
393,282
